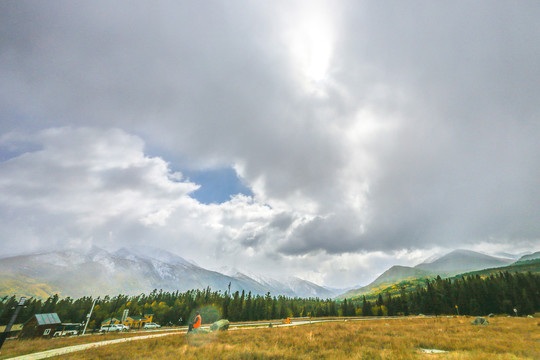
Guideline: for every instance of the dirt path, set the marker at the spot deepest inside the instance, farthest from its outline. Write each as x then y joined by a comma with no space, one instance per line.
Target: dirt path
74,348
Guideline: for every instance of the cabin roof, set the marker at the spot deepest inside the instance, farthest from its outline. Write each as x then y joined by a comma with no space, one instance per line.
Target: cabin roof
47,319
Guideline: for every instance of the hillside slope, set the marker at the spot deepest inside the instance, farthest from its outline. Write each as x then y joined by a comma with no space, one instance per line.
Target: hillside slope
451,264
532,266
529,257
371,292
459,261
393,275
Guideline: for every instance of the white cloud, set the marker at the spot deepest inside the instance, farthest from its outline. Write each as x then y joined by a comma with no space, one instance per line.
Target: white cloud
92,173
87,178
358,127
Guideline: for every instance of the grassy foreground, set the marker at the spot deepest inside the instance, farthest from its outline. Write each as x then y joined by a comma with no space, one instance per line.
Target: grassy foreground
13,348
505,338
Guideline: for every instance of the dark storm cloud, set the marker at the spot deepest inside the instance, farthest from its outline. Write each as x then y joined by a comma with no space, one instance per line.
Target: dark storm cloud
282,221
335,235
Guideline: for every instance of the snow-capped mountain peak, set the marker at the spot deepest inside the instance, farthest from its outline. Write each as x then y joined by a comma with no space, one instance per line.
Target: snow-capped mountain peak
151,253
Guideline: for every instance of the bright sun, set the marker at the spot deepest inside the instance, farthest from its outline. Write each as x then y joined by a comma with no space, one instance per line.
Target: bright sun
311,47
314,50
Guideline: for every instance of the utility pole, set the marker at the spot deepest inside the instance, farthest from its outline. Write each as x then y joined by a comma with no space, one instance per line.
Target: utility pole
89,315
4,335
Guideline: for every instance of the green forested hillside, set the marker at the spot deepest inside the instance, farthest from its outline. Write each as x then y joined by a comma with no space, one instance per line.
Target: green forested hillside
391,280
529,257
373,290
524,266
499,293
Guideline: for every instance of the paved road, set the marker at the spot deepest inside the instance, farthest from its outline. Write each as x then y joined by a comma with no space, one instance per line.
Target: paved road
248,326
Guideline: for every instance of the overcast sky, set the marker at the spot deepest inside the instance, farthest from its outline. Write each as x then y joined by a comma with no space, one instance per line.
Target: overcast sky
323,139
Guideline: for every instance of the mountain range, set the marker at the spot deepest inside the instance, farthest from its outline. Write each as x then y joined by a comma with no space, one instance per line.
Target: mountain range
453,263
131,271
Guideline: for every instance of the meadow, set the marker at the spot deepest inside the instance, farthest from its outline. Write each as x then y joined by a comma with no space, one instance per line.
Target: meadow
13,348
504,338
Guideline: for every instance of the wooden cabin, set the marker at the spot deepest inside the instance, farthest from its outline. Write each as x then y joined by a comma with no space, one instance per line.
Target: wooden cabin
40,325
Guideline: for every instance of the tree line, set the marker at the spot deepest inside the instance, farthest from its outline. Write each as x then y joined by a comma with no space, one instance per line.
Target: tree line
174,308
503,293
470,295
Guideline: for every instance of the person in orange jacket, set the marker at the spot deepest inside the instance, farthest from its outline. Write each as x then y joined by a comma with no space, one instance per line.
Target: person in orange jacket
196,322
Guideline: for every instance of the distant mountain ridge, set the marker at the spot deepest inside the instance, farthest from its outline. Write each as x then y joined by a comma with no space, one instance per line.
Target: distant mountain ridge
398,272
459,261
129,271
453,263
291,286
530,257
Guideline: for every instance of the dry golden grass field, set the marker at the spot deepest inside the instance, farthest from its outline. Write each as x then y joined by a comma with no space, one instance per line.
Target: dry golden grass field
504,338
13,348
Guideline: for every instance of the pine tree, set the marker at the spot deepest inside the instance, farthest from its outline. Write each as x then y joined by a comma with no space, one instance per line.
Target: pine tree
352,309
366,308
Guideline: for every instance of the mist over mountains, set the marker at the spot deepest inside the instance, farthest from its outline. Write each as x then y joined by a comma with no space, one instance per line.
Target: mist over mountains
131,271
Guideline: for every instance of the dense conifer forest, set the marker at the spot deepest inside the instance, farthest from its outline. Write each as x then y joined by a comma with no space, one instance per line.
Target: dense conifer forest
470,295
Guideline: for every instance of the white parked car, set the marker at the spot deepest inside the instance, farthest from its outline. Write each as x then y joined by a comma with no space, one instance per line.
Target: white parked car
113,328
65,333
67,329
151,326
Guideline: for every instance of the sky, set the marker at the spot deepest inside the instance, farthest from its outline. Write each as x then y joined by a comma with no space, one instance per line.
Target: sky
327,140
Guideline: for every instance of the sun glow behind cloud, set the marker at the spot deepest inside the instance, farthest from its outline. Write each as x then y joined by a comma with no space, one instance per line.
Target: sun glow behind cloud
311,42
313,49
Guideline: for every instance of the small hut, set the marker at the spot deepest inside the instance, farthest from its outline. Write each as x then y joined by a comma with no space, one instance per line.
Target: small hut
40,325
